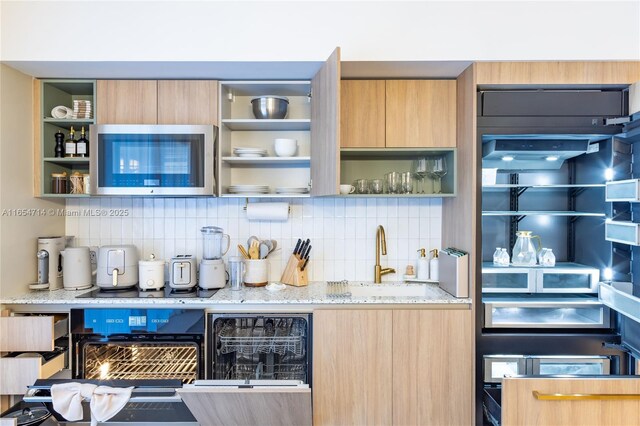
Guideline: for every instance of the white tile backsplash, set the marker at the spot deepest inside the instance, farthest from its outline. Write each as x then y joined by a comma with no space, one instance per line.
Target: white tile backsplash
342,230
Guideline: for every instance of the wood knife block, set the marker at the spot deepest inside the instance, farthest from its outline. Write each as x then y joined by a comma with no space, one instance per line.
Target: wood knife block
292,274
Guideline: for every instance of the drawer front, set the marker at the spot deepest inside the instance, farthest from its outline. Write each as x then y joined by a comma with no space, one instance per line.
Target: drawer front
31,333
622,232
559,281
508,280
18,373
546,315
623,190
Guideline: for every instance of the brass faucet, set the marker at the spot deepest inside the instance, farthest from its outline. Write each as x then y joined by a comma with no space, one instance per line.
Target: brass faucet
379,270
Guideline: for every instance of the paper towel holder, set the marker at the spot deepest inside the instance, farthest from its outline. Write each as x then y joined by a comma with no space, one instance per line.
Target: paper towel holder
246,203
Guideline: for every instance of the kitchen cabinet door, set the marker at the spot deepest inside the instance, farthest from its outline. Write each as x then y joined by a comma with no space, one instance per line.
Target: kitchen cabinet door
362,113
604,401
352,363
421,113
432,367
188,102
325,128
127,102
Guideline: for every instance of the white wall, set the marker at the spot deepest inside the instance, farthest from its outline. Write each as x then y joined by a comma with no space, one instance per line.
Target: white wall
342,231
19,229
309,30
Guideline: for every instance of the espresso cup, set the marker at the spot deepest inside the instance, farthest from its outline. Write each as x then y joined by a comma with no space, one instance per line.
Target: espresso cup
256,272
347,189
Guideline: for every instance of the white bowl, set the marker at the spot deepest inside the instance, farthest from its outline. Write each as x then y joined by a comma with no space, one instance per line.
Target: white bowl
285,147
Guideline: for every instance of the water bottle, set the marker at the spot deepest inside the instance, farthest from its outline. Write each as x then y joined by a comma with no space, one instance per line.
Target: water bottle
549,259
496,257
504,257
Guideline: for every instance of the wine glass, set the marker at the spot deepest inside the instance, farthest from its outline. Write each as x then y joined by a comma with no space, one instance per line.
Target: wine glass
419,169
436,169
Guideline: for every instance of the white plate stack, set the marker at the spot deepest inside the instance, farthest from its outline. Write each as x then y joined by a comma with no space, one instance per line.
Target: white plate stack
248,189
249,152
291,190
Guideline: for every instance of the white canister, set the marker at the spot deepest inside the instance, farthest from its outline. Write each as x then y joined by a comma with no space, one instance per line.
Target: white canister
151,274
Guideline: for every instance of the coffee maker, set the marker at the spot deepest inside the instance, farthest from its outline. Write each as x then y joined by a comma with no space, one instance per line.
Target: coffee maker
212,271
49,263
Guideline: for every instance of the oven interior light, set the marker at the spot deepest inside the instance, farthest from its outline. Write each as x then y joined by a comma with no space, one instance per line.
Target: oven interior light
104,370
552,158
608,174
607,274
507,158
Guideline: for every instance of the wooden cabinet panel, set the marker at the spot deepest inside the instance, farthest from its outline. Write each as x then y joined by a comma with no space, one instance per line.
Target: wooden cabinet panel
27,334
188,102
420,113
352,363
127,102
18,373
521,407
362,113
432,367
325,128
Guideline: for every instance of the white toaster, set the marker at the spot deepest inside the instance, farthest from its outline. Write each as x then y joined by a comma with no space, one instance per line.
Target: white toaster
183,272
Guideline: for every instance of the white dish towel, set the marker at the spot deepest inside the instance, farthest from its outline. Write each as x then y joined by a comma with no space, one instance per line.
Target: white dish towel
105,403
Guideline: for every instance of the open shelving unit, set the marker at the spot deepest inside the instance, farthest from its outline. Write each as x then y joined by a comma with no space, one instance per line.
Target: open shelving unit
52,94
239,128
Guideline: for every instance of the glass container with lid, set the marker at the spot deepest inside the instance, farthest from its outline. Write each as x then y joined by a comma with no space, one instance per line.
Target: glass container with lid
59,183
213,242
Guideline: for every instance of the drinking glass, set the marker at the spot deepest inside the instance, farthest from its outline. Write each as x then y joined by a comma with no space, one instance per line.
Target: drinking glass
419,170
437,168
406,181
362,186
375,186
393,182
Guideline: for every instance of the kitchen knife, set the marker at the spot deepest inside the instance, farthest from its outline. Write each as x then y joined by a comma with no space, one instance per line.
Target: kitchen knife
305,255
295,250
303,248
304,265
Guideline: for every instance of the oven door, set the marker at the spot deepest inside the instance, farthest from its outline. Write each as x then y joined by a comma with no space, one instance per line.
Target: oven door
249,402
147,357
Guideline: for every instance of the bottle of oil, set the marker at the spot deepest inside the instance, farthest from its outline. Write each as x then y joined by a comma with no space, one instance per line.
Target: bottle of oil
70,145
82,145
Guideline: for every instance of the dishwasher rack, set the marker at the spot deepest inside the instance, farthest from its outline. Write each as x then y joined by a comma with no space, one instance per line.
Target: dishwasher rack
281,336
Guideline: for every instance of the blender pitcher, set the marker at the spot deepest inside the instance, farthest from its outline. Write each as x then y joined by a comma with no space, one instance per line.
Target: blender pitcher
524,253
212,240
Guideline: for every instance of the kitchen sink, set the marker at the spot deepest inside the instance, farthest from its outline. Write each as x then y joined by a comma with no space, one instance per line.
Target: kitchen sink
361,289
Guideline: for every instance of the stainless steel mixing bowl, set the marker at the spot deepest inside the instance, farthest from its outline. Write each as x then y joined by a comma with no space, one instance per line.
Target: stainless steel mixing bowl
270,107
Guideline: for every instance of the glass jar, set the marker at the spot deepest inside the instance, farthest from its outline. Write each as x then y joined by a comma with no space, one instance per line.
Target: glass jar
58,183
77,186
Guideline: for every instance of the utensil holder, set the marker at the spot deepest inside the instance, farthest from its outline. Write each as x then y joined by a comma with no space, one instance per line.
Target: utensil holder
293,274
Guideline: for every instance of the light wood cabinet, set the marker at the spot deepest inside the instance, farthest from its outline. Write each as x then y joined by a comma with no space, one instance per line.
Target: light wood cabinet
401,367
127,102
602,401
157,102
188,102
432,367
362,113
421,113
352,363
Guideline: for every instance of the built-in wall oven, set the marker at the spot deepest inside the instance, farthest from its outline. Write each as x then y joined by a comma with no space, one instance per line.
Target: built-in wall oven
129,344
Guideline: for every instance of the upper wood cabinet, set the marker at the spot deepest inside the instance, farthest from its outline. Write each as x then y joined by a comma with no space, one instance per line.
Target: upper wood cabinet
157,102
421,113
187,102
398,113
400,367
127,102
362,113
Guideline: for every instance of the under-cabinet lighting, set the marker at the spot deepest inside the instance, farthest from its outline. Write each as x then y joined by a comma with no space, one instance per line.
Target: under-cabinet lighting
608,174
507,158
607,274
552,158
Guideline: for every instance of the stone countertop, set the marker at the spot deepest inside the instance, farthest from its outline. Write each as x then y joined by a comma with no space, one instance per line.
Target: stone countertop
316,293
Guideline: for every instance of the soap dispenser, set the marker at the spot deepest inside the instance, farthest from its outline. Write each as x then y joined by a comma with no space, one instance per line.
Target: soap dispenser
433,266
422,266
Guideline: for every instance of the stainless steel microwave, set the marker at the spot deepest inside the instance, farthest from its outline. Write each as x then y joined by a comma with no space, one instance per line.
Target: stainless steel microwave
152,159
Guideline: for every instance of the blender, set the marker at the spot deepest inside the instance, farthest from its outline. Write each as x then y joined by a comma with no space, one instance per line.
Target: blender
212,272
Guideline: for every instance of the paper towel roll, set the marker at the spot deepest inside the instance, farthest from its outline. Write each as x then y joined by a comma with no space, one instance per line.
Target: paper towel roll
61,111
267,211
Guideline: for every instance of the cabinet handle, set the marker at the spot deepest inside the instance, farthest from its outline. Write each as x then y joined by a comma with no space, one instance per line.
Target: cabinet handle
584,396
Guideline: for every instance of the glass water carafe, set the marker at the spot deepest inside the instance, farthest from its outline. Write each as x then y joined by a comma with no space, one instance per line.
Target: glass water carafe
524,253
